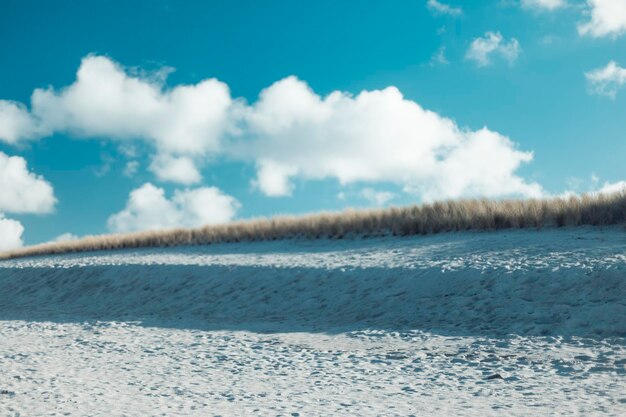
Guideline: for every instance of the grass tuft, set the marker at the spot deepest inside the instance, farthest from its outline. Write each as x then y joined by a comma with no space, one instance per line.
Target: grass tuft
479,214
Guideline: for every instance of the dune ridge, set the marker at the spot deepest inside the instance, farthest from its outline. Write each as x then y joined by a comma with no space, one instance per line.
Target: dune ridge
478,214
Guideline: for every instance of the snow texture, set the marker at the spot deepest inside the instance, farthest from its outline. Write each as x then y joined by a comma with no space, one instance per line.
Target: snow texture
503,323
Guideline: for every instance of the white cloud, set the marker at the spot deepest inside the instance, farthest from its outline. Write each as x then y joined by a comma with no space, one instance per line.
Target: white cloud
606,81
65,237
442,8
482,49
273,178
377,198
607,18
106,102
482,164
543,4
578,186
376,136
148,208
22,191
615,187
290,132
16,123
439,57
10,233
131,168
549,40
180,170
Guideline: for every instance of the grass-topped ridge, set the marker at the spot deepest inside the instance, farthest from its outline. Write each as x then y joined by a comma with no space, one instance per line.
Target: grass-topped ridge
479,214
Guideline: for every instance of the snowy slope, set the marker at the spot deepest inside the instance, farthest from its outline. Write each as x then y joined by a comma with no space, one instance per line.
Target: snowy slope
384,326
525,282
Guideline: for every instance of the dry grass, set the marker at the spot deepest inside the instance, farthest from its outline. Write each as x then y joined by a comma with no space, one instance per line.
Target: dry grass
595,210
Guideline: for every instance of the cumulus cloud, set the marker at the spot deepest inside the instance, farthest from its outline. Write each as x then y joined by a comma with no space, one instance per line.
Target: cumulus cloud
16,123
10,233
606,81
106,101
482,49
148,208
606,18
376,136
22,191
180,170
273,178
438,7
290,132
543,4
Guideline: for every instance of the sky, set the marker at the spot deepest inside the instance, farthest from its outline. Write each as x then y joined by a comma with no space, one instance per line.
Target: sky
119,116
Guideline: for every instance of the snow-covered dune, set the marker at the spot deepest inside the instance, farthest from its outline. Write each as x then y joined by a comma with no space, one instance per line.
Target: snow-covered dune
552,282
513,322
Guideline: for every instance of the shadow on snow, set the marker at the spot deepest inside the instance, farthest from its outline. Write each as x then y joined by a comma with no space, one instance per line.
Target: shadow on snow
270,299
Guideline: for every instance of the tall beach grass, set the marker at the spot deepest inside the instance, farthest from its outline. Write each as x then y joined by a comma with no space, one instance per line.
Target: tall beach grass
459,215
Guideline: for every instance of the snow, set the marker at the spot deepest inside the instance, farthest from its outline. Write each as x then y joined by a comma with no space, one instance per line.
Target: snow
519,322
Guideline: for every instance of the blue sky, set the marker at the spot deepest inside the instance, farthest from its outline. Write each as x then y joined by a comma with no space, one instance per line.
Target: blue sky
313,106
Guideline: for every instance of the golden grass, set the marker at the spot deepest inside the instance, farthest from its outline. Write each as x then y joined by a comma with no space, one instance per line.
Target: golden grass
595,210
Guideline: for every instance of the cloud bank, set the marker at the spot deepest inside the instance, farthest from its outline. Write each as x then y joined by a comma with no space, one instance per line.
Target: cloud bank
148,208
483,49
290,132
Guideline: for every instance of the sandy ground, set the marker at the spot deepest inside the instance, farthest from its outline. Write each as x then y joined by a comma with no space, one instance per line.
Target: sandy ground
520,323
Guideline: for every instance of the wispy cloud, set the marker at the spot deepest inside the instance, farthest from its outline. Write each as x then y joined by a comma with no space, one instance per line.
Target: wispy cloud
377,198
131,168
438,7
439,57
606,81
543,5
592,186
482,49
